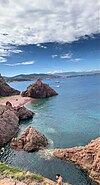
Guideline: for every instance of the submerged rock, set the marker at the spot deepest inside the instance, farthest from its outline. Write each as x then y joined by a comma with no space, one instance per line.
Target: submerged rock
5,89
30,140
87,157
39,90
9,121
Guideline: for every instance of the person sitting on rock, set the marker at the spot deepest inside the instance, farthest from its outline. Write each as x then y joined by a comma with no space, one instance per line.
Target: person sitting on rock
59,179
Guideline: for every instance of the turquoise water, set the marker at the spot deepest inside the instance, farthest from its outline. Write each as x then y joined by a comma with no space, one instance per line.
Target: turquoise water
67,120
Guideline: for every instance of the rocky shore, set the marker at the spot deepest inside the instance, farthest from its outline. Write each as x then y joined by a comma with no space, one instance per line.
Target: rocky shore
87,157
5,89
16,100
10,118
15,176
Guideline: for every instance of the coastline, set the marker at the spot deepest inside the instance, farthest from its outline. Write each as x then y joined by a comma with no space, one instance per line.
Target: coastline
14,175
16,100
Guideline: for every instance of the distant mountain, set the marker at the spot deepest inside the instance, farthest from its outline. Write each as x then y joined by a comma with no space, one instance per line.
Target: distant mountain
29,77
73,74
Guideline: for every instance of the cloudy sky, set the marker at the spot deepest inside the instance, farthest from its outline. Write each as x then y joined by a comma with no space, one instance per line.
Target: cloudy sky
39,36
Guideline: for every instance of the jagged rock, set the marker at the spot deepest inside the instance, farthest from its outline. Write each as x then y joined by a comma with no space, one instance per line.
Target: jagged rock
39,90
30,140
8,124
9,121
23,113
87,157
5,89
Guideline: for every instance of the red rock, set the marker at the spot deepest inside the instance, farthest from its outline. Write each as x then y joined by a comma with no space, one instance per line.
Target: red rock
5,89
30,140
87,157
9,121
39,90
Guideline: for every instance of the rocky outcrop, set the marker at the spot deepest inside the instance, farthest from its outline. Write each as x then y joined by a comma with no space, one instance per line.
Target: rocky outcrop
9,121
5,89
30,140
8,124
15,176
87,157
39,90
23,113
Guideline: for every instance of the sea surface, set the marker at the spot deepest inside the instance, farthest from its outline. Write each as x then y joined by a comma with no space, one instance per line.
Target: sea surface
67,120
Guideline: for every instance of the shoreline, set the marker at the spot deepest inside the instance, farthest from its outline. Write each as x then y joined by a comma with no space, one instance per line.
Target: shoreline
16,100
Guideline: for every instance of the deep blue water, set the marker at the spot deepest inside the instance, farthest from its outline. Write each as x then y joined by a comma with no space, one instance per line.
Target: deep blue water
67,120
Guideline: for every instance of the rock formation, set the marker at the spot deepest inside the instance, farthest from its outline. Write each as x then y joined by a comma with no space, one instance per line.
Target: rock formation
9,121
23,113
39,90
15,176
87,157
8,124
30,140
5,89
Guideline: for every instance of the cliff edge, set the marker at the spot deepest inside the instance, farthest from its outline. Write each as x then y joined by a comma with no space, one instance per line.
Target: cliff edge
5,89
87,157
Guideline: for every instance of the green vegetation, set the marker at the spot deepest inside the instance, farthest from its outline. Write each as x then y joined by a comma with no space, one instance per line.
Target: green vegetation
17,173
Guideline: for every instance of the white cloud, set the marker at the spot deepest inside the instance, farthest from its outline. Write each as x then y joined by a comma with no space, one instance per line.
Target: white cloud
2,60
41,46
70,57
7,50
56,71
21,63
77,59
27,22
28,63
66,56
53,56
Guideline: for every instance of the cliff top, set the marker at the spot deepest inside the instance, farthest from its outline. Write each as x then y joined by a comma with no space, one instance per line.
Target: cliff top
21,177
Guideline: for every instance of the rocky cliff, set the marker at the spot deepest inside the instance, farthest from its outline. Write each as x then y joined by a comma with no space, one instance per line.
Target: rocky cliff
9,121
39,90
87,157
15,176
5,89
30,140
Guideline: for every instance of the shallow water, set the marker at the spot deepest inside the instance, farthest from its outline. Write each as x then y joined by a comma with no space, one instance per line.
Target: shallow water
67,120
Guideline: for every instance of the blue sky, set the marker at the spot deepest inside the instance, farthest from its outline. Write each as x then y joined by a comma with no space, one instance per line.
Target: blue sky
48,37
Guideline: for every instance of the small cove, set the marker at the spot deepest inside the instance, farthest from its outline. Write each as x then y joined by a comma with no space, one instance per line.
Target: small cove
67,120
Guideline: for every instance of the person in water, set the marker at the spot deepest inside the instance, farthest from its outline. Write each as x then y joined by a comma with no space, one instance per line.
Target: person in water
59,179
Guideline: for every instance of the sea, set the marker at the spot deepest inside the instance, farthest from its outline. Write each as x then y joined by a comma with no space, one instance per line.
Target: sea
69,119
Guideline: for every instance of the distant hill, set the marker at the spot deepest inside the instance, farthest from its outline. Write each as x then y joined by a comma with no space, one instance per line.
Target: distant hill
73,74
5,89
29,77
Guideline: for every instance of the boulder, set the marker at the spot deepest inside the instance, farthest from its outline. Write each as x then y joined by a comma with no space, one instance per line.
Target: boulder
5,89
39,90
9,124
30,140
87,157
9,121
23,113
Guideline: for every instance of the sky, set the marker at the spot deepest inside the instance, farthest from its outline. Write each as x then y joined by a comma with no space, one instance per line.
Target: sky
49,36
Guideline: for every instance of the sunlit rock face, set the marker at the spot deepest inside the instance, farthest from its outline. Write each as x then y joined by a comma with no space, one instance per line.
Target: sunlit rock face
87,157
30,140
39,90
5,89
